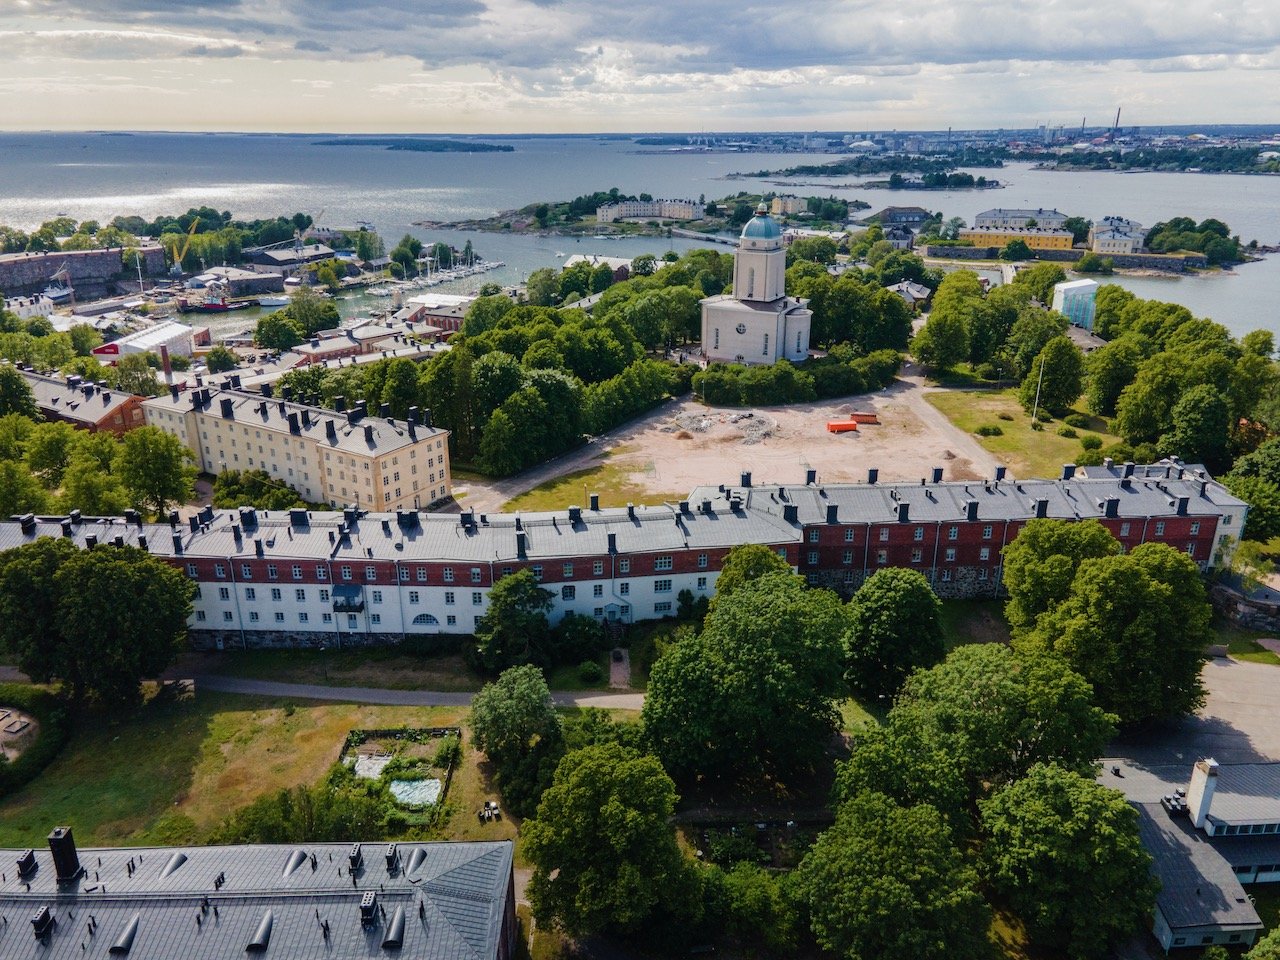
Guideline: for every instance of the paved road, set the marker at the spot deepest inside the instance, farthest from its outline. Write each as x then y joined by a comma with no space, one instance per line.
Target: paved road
397,698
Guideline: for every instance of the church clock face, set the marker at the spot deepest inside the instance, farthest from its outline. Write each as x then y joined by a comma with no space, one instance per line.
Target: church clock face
741,328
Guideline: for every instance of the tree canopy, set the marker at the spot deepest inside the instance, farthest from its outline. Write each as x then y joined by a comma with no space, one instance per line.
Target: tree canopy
1042,561
516,725
894,627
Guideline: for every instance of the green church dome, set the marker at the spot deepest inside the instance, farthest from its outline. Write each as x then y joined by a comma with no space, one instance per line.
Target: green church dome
762,226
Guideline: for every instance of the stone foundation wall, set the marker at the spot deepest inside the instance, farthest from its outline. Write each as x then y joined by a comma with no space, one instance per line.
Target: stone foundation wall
289,639
1251,613
93,272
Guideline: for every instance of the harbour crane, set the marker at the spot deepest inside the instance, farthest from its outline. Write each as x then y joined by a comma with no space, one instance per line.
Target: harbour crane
178,257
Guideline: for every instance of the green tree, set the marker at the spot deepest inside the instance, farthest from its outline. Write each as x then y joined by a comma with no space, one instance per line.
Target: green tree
755,689
312,312
48,451
20,491
275,331
745,563
1263,498
1055,378
515,626
644,265
1079,228
1109,370
1201,421
888,882
894,627
943,341
83,339
154,467
1041,563
220,359
1136,627
760,909
1065,853
513,714
15,394
542,289
14,430
1031,331
1040,280
604,853
133,374
1268,948
87,487
1263,462
1016,250
29,605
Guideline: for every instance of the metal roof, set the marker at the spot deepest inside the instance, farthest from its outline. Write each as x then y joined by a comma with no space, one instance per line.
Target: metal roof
453,898
71,399
1198,886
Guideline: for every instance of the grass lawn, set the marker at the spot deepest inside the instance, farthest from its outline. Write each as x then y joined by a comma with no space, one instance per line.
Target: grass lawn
366,667
1242,643
973,621
611,480
566,677
1028,453
854,716
1266,900
178,768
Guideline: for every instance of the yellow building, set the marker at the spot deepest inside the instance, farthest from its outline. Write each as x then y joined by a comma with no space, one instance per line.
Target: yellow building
1037,238
334,457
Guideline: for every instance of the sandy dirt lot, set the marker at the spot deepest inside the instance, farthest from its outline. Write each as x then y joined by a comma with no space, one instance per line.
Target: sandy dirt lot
685,444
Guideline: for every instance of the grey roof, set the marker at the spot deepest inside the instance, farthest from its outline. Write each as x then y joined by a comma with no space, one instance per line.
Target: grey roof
273,414
1198,886
453,897
1246,793
725,303
70,399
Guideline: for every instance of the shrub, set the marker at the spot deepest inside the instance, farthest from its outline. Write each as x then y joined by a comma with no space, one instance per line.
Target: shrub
1078,420
53,732
589,671
1091,441
989,430
1005,416
986,371
1037,425
448,753
1068,432
1044,416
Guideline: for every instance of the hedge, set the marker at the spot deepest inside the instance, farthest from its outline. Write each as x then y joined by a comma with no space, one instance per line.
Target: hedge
54,730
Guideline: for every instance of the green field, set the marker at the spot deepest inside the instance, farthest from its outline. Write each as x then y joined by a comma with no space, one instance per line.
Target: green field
1028,453
611,480
384,667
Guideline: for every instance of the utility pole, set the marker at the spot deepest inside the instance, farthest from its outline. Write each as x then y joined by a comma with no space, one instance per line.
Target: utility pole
1036,408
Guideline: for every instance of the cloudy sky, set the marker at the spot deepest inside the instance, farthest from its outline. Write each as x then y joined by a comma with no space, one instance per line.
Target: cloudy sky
591,65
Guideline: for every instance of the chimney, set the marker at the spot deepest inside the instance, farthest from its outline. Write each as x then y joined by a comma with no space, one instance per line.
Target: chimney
306,418
294,427
267,391
746,478
971,510
575,515
330,431
173,518
258,548
65,859
1042,509
1182,506
833,513
384,411
426,419
66,528
1068,471
1108,463
522,545
177,542
810,477
873,475
228,408
790,513
340,404
194,522
613,543
1112,507
1204,780
1128,468
173,391
368,433
937,474
595,501
90,542
413,415
904,512
286,391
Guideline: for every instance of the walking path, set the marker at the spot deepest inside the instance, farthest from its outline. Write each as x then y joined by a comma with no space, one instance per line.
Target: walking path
398,698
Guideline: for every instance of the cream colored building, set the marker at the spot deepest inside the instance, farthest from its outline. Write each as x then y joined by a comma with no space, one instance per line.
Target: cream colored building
786,206
659,209
339,458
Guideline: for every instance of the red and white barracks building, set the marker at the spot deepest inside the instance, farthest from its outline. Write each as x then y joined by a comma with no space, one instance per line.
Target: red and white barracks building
297,577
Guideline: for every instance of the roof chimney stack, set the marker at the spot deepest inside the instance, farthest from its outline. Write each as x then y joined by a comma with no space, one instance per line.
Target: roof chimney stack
65,859
873,475
1204,780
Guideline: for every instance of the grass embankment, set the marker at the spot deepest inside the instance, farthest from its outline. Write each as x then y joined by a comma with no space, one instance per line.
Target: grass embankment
1028,453
382,667
1242,643
177,768
613,481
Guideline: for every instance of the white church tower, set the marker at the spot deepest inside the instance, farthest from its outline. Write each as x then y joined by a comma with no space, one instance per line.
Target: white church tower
758,322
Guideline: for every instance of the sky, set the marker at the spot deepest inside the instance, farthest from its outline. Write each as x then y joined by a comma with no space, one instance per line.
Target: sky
576,66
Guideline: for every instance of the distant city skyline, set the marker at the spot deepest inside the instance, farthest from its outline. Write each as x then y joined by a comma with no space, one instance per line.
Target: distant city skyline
577,66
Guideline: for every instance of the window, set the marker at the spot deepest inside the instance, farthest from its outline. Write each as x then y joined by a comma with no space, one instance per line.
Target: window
597,567
847,557
421,575
537,572
297,572
448,596
377,596
624,565
813,558
275,593
346,572
1191,549
1195,528
953,533
246,571
568,592
982,573
717,338
451,620
848,578
303,617
250,593
567,570
404,575
597,590
327,617
253,616
1124,529
813,536
1159,528
424,619
598,611
224,593
414,596
200,616
477,598
951,554
351,621
984,553
272,572
375,618
986,532
663,607
848,535
624,588
324,596
917,534
448,574
882,556
917,555
219,570
322,574
702,583
661,563
946,575
765,351
226,615
475,574
191,570
279,617
702,561
662,586
370,574
884,534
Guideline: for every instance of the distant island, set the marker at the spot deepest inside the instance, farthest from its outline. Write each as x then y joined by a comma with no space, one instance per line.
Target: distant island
418,146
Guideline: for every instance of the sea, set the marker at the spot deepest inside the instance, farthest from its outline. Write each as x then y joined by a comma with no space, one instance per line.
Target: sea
99,175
